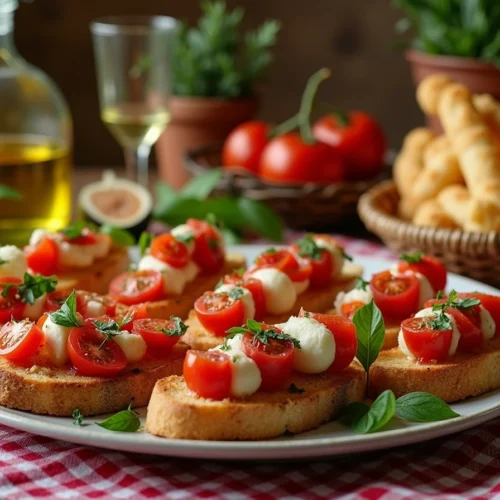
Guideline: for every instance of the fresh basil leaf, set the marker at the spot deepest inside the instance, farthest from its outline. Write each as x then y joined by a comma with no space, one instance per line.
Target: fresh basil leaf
73,231
8,193
309,248
236,293
202,186
254,326
293,389
77,417
66,314
123,421
165,197
411,258
261,219
144,242
353,413
380,413
33,287
370,330
120,237
423,407
237,329
178,330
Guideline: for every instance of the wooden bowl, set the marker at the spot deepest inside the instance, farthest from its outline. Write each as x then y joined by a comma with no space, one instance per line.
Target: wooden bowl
476,255
305,206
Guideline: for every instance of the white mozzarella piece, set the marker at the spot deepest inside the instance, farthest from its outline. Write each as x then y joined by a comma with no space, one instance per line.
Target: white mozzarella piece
429,313
37,236
426,292
247,299
184,232
488,326
191,271
246,377
174,279
279,291
56,340
35,310
317,344
335,251
94,309
13,262
354,295
300,286
74,255
132,345
101,248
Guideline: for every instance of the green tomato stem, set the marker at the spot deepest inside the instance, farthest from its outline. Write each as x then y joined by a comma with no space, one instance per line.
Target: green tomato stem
284,127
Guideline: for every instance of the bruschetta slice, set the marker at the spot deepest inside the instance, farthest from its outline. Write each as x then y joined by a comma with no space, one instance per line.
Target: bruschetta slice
261,382
449,349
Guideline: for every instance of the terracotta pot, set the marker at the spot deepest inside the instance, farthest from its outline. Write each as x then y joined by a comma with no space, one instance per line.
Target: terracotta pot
480,77
196,122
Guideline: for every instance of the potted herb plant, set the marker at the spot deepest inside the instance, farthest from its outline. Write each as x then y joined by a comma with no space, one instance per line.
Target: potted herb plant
215,72
460,38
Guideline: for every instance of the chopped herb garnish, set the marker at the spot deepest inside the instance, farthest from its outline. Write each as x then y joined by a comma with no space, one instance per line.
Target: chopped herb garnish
442,321
66,315
74,231
236,293
77,417
111,328
295,390
260,334
144,242
32,287
309,248
361,284
412,258
178,330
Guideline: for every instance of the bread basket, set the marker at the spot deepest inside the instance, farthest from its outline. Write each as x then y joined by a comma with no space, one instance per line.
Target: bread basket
476,255
307,206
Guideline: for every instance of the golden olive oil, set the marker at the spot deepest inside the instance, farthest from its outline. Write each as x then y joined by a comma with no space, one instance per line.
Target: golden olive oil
41,172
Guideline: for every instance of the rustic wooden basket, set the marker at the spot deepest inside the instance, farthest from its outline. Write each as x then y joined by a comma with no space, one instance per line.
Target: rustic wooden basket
306,206
476,255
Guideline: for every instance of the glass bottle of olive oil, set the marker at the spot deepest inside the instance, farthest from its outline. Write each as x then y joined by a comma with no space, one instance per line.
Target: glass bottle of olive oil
35,144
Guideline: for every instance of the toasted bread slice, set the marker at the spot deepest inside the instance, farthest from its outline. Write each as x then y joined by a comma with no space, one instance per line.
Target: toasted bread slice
97,277
312,300
460,377
59,391
176,412
182,304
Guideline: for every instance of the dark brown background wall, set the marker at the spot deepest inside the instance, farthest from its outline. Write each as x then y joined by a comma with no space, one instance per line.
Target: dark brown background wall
352,37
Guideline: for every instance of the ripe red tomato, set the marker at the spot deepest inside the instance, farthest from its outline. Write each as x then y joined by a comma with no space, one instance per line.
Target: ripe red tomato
208,247
134,287
274,359
218,312
20,340
295,267
254,286
244,145
397,297
360,142
344,333
86,237
93,358
153,330
10,306
490,302
167,249
321,266
425,343
44,258
208,374
137,312
287,159
431,267
349,309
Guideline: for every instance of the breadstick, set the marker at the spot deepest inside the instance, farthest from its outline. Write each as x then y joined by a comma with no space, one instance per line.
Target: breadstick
489,108
455,201
430,213
484,214
429,91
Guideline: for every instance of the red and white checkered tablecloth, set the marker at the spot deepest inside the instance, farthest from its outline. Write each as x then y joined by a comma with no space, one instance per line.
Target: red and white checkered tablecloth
466,465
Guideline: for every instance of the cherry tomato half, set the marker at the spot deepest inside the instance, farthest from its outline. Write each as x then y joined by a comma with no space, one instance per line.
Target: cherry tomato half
254,286
244,145
208,246
10,307
397,297
93,358
274,359
208,374
137,312
167,249
321,267
431,267
490,302
44,258
155,332
134,287
20,340
218,312
86,237
349,309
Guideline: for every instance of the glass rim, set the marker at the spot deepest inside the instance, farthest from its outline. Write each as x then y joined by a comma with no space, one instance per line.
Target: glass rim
132,25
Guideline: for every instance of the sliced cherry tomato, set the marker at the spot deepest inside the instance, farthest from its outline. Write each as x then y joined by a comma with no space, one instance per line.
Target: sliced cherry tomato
107,303
431,267
254,286
358,139
135,287
93,358
20,340
155,332
344,333
218,312
349,309
273,359
287,159
10,307
322,267
167,249
44,258
283,260
491,303
397,297
137,312
244,145
208,247
208,374
425,343
86,237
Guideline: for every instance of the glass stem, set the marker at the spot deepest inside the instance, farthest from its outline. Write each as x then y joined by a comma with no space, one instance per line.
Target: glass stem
136,164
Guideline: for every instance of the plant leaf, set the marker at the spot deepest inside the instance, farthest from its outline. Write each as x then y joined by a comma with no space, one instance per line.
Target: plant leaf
66,314
423,407
261,219
8,193
120,236
123,421
353,413
380,413
202,186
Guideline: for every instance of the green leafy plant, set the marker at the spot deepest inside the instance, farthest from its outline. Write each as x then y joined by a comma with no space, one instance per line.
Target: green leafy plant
463,28
123,421
214,59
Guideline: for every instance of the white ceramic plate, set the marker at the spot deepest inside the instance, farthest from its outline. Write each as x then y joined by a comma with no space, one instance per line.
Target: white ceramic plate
330,439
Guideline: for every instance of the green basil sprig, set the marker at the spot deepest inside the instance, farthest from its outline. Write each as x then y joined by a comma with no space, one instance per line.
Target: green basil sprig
123,421
32,287
66,315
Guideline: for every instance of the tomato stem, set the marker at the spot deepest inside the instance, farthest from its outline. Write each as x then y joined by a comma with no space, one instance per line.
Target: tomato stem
306,104
284,127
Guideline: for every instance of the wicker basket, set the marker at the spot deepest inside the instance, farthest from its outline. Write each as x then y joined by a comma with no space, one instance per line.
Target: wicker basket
476,255
305,206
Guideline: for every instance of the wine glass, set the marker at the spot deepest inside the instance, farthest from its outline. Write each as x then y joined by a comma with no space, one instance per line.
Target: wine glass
133,57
